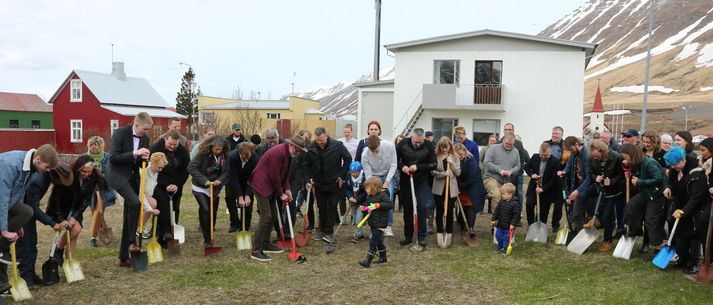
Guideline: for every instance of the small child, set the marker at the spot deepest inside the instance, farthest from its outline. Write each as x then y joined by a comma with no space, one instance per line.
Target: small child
506,216
355,194
377,204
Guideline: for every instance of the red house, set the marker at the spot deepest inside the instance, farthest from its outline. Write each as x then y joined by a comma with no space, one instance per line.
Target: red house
91,103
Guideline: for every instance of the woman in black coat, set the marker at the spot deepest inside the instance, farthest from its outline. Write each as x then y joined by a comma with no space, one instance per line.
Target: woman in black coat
471,185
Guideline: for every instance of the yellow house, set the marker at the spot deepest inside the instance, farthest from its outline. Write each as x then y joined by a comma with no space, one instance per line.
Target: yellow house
255,116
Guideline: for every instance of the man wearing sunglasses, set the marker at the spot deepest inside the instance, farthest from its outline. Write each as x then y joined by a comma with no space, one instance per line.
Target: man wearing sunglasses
631,136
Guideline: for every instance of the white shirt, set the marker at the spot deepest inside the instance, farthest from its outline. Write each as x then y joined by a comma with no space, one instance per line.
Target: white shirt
136,140
351,145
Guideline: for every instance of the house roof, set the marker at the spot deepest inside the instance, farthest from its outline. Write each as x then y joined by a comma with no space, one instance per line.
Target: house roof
376,83
23,102
251,104
313,111
108,89
154,112
588,47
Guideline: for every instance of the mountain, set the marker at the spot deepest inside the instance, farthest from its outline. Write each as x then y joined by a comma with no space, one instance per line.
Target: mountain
341,99
682,50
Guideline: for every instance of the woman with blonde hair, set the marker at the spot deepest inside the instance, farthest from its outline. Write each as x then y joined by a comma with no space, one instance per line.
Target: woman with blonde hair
95,149
447,165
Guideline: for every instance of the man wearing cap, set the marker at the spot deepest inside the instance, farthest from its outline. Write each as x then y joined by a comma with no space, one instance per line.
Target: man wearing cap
271,178
631,136
235,138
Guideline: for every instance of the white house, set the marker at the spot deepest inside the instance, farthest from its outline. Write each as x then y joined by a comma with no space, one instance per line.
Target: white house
480,80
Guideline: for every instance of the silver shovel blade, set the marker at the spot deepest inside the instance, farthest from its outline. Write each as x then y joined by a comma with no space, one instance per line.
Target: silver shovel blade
624,247
584,239
537,232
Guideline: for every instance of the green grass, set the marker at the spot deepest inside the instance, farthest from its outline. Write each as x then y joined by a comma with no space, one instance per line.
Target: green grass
533,274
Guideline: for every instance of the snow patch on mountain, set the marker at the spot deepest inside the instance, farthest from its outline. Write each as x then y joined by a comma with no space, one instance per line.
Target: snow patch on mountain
640,89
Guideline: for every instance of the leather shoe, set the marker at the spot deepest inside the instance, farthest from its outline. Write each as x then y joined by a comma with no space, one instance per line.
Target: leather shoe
644,248
405,241
125,263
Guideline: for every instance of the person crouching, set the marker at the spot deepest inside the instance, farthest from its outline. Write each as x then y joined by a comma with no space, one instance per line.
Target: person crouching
377,204
506,216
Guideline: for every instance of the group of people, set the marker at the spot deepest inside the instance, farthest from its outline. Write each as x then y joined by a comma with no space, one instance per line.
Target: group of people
634,189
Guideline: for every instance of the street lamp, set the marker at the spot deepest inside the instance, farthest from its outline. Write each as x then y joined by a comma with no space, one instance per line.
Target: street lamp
686,110
258,95
194,102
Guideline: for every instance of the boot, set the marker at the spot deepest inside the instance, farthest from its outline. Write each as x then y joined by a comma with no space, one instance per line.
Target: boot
382,257
367,261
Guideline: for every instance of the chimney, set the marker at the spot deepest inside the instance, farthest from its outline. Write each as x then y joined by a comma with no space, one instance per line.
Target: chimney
117,69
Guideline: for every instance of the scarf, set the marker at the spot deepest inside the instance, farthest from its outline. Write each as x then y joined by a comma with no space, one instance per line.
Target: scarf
98,158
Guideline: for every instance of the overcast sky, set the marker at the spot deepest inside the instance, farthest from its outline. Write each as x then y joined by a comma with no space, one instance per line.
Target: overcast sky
256,45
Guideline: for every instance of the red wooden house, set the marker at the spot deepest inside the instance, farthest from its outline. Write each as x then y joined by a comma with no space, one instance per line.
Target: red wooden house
91,103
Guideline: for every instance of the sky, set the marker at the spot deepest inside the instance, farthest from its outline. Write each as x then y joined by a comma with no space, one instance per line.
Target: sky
253,45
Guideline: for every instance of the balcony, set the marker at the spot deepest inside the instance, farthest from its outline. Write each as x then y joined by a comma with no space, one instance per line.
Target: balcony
463,96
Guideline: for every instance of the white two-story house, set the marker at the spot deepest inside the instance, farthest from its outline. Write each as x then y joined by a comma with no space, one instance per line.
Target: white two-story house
480,80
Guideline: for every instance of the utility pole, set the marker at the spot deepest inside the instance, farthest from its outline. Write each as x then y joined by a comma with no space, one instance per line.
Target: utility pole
648,66
377,38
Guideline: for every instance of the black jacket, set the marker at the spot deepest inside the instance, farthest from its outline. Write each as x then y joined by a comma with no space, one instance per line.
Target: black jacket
238,174
233,143
71,201
508,213
324,166
551,188
264,147
124,167
696,197
36,189
424,158
380,217
609,168
176,171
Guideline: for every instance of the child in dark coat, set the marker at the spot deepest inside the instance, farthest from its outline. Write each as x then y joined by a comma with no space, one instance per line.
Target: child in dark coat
506,216
355,194
377,204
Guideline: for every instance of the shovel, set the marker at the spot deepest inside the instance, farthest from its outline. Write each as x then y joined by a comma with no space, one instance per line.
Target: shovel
19,289
705,273
416,246
174,245
72,268
664,256
626,244
294,255
469,237
563,232
179,232
50,269
509,250
282,243
330,246
442,238
244,237
99,227
212,249
303,239
586,237
153,248
139,260
537,231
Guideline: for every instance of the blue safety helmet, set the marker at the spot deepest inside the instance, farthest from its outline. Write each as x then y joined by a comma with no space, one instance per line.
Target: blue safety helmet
355,166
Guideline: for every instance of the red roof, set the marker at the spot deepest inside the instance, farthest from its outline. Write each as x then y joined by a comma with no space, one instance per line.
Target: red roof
23,102
598,107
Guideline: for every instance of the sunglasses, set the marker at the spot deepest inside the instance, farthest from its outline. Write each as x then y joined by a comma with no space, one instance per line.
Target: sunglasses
627,136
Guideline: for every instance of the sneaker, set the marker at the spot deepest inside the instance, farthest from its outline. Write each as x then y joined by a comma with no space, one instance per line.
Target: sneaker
422,242
5,257
258,255
146,235
270,248
692,269
388,232
504,253
357,239
93,242
327,238
5,288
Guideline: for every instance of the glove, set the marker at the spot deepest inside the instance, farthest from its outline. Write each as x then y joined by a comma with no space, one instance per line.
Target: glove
364,208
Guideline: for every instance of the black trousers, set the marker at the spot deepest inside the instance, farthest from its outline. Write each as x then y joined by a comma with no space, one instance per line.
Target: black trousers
129,192
203,213
688,242
27,250
440,200
164,218
544,211
327,203
643,209
17,216
280,211
231,202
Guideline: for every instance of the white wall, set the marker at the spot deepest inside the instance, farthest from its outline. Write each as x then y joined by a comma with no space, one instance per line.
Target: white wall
543,84
375,104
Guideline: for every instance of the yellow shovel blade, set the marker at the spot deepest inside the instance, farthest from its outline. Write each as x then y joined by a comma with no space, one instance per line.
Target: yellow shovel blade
19,290
72,270
153,250
562,236
244,241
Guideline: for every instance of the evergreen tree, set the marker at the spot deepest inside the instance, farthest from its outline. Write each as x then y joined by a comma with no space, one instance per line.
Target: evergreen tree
185,97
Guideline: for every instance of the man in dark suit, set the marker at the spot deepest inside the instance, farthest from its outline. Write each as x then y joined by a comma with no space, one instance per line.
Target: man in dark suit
170,181
542,169
129,147
241,163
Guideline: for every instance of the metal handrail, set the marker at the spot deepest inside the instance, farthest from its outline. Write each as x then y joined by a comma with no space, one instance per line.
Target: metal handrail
406,112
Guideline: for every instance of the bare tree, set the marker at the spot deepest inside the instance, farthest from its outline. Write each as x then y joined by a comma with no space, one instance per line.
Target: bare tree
237,93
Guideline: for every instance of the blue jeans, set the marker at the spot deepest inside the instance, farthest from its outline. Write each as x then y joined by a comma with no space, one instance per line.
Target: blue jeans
503,237
423,195
377,241
391,196
357,216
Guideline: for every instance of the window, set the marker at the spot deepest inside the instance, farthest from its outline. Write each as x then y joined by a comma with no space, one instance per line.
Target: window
275,116
446,71
482,129
443,128
14,124
76,90
488,72
35,124
75,128
113,126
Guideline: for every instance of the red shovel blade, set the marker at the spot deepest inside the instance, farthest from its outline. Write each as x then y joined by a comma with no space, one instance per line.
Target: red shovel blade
212,249
295,255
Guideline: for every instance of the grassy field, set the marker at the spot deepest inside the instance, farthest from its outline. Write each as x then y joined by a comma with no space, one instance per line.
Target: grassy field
533,274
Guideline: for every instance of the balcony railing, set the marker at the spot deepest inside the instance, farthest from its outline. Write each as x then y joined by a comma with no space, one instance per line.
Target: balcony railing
463,96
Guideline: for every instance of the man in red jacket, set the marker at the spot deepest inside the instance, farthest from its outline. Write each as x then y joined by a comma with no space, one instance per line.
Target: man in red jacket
271,177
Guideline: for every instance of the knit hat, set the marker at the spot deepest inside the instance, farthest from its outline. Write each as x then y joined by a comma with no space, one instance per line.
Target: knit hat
707,143
675,155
